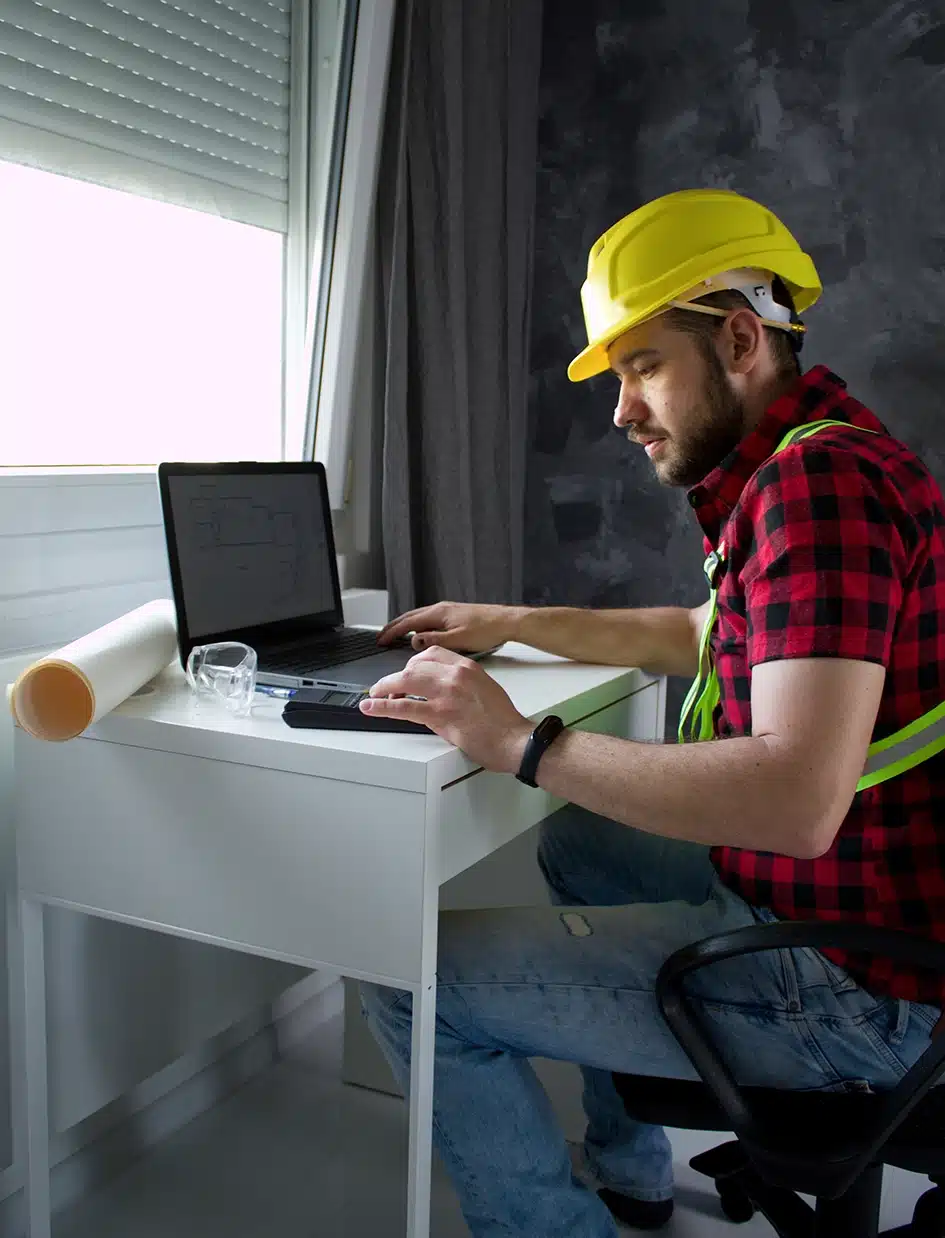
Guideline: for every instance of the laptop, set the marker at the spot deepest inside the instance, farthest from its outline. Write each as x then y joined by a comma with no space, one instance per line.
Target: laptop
252,558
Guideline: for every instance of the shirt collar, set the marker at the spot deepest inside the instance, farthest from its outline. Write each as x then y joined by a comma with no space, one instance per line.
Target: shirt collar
813,397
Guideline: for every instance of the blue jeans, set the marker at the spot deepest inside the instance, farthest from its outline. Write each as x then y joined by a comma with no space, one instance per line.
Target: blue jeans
578,985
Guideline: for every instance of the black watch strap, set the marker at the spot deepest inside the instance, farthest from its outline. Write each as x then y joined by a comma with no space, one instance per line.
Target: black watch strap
543,735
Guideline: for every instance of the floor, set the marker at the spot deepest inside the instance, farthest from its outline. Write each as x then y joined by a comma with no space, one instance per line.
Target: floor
297,1154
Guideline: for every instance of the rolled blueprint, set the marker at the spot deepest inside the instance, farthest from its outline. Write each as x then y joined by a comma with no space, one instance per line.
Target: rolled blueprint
60,695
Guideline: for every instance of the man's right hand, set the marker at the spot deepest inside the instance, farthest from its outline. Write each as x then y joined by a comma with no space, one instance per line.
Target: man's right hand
463,626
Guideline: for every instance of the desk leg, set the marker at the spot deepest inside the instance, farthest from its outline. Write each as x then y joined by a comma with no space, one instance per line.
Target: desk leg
36,1106
421,1113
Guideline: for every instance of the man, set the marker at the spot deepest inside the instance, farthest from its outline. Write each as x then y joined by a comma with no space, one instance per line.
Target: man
828,556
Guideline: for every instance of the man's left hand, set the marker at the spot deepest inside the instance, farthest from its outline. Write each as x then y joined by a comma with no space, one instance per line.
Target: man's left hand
462,704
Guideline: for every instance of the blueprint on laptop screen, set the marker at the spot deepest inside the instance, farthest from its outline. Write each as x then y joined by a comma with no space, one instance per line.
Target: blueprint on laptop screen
252,548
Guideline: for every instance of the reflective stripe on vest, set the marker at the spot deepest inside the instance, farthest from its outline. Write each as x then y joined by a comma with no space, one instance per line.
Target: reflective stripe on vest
885,759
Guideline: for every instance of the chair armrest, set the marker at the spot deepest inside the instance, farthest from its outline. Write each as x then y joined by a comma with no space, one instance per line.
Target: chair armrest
677,1010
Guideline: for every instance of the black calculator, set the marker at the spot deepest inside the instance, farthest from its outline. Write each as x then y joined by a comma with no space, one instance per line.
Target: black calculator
336,709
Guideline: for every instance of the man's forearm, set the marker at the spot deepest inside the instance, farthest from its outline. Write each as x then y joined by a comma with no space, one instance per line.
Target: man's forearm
736,792
661,640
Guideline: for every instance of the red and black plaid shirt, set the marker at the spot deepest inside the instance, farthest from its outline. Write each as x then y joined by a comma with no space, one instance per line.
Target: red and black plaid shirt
836,548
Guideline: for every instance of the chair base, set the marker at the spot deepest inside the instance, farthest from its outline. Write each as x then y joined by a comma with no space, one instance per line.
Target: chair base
742,1191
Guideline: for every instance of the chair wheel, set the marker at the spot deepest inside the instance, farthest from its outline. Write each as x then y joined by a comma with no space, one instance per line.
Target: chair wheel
736,1204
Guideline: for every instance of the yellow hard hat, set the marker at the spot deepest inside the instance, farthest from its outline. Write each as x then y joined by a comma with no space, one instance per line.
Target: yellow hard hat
671,246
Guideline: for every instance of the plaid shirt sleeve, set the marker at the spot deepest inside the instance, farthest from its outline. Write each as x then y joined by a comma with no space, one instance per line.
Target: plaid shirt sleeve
825,571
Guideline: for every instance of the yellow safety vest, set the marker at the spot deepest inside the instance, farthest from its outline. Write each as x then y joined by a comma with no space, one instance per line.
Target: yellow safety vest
885,759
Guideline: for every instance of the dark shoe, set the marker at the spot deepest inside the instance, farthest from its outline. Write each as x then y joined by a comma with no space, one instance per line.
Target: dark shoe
637,1213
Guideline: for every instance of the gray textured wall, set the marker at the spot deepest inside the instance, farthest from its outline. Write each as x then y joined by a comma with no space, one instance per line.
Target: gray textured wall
831,112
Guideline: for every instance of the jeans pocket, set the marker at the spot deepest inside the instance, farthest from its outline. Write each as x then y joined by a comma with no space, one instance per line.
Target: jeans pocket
807,968
818,969
790,978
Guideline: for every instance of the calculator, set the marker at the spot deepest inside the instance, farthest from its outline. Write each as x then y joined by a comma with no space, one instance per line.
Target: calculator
336,709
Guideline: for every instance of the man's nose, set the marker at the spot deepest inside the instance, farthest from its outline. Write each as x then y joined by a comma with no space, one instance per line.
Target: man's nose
631,407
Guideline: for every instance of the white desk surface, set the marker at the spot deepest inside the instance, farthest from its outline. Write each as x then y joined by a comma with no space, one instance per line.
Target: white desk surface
165,716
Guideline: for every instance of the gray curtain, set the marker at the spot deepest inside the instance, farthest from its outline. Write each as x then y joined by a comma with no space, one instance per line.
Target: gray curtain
455,220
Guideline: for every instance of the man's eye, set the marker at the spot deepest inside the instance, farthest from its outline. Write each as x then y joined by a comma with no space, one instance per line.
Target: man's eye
646,370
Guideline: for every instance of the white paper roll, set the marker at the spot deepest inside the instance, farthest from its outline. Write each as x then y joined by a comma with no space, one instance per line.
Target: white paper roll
60,695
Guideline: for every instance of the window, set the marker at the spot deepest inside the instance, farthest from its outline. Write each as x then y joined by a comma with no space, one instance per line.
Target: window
186,193
133,330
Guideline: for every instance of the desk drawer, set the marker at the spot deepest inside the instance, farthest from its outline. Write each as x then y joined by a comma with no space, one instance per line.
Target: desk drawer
309,870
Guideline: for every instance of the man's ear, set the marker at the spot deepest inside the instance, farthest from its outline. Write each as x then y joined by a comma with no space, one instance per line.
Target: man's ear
741,340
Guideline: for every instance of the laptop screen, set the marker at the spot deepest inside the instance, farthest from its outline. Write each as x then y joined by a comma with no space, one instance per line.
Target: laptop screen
252,548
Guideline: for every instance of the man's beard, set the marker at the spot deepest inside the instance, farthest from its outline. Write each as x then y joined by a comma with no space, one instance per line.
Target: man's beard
722,428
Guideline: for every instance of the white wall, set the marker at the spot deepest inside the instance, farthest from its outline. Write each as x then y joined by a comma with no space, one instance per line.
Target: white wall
76,550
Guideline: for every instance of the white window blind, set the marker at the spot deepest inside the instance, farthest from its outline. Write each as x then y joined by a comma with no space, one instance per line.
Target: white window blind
185,100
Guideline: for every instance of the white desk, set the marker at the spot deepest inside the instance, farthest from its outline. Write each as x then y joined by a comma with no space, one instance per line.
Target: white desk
322,848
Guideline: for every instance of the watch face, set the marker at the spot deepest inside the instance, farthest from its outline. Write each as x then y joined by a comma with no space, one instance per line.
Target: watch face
548,727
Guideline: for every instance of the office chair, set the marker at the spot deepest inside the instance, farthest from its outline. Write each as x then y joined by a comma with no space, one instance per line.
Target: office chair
830,1145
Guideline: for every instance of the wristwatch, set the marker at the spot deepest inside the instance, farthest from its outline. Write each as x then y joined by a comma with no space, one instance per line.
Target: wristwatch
540,739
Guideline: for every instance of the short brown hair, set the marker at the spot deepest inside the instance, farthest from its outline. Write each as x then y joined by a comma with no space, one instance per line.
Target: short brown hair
705,326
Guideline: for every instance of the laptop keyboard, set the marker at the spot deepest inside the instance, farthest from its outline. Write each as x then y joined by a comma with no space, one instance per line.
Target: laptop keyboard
313,655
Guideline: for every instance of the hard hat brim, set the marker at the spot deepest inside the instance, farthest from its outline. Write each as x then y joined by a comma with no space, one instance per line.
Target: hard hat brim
592,361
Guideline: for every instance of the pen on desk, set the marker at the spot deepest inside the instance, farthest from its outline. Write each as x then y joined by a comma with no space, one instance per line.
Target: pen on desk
283,694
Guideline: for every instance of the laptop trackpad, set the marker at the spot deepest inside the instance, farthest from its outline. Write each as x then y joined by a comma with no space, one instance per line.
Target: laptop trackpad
365,671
